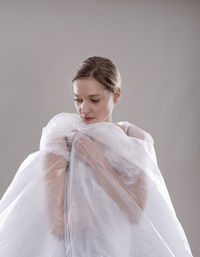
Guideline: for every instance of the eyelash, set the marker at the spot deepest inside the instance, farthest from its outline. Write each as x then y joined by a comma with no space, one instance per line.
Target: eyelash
94,101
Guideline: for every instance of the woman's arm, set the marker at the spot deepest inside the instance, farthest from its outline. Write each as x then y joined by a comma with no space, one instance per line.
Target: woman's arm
54,166
90,152
116,195
137,191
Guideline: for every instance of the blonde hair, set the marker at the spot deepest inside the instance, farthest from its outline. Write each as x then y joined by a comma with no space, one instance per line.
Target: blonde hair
102,69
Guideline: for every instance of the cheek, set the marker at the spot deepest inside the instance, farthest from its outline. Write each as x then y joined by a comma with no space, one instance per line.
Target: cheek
107,106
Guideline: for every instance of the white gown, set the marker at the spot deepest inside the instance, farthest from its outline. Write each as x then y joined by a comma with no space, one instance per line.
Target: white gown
67,203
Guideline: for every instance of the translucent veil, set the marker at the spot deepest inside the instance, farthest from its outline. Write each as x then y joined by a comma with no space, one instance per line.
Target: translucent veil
67,202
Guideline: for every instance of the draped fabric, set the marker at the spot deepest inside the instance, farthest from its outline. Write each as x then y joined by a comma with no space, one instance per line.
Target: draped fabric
65,200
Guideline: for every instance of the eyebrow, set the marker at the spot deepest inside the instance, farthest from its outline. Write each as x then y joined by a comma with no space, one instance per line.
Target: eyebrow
90,95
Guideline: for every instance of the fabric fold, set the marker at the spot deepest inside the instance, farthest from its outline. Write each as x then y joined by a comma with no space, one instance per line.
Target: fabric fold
68,200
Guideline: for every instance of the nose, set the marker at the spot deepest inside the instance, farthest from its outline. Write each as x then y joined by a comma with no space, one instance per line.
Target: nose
84,107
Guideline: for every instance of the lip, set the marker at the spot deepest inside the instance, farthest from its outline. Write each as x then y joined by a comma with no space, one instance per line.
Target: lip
88,118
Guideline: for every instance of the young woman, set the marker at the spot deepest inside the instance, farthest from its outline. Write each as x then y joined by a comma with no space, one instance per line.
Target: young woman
94,188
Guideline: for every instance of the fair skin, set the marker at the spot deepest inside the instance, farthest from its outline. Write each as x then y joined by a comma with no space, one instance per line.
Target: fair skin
55,165
99,107
93,100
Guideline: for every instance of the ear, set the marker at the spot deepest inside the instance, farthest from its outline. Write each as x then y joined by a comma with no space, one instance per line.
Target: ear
117,95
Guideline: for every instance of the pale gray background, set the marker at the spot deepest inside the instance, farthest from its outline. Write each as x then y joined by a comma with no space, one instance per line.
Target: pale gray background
155,45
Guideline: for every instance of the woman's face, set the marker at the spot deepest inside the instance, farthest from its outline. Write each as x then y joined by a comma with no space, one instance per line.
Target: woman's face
92,100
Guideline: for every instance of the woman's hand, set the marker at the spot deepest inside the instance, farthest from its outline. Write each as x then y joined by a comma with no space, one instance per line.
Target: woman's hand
89,151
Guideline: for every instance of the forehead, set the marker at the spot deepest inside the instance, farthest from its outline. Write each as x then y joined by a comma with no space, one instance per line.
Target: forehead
87,87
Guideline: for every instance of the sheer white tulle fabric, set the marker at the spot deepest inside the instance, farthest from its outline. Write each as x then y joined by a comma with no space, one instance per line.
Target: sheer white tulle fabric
63,202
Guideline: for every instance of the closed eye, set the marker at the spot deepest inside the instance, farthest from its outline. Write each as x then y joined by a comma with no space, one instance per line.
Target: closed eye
94,101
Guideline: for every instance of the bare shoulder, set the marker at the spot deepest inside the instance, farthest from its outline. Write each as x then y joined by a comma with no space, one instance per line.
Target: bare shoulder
123,127
120,125
137,132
